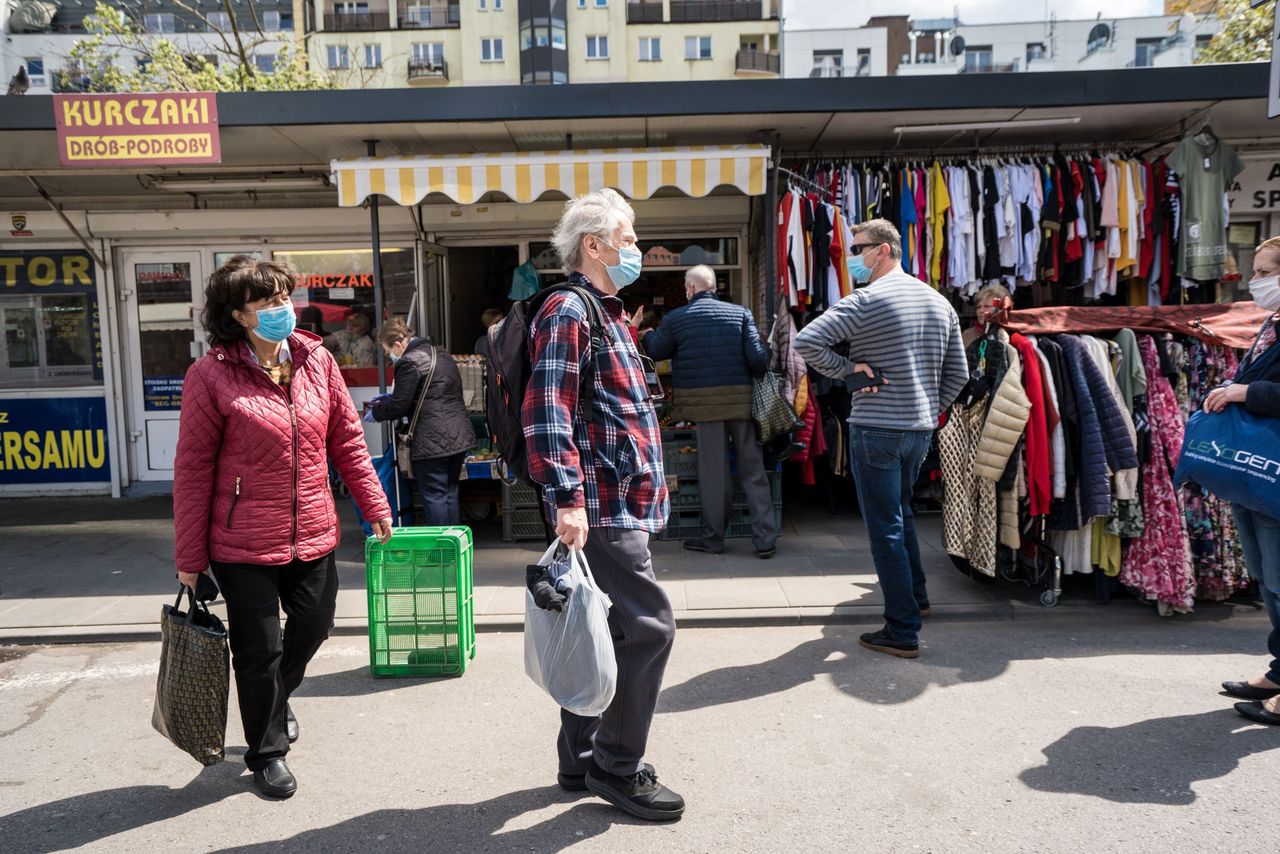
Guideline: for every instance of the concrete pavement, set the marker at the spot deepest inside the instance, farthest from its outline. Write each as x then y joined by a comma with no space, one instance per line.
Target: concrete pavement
98,569
1046,737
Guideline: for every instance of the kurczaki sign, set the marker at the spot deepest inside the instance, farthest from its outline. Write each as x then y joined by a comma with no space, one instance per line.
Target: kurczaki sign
137,129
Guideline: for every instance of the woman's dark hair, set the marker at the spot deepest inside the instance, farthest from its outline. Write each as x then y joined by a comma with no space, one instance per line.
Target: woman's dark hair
241,280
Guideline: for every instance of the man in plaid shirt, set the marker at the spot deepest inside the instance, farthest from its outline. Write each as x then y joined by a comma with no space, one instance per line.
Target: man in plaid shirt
602,477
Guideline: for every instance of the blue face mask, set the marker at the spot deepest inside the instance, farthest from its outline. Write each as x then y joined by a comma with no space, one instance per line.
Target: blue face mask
393,356
627,270
275,324
858,270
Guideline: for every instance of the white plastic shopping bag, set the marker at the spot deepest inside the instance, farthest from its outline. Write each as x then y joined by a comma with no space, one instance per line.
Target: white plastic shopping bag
569,654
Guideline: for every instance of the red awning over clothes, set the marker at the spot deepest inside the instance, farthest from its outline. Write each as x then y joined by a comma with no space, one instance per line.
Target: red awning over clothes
1233,324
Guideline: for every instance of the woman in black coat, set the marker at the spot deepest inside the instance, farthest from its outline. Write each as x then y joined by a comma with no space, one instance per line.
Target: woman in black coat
1256,387
443,434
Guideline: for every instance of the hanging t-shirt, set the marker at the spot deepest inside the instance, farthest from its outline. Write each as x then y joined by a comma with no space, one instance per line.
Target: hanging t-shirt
1206,166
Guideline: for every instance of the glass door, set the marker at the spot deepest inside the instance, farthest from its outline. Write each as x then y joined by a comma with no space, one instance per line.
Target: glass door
160,305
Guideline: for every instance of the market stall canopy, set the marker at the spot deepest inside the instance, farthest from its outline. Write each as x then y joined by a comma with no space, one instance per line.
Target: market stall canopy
637,173
1234,324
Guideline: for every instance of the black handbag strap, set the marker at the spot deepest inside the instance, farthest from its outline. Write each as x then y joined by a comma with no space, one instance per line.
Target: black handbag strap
191,598
422,395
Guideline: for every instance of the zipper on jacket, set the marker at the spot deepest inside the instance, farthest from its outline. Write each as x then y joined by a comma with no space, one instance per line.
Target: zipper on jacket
235,499
293,420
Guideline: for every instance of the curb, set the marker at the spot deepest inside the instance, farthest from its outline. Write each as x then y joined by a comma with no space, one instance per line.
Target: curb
1082,611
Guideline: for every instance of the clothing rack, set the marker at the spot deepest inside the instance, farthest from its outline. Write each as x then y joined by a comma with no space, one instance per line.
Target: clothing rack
1029,150
797,178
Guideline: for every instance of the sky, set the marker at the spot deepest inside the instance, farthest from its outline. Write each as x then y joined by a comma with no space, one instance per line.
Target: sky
825,14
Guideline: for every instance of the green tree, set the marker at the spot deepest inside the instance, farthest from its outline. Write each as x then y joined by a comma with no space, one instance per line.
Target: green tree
118,56
1245,34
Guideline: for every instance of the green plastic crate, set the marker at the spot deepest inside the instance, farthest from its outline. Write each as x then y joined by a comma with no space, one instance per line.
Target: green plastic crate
421,604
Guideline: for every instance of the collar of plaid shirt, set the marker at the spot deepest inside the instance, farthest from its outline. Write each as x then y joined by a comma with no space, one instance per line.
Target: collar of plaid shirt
610,464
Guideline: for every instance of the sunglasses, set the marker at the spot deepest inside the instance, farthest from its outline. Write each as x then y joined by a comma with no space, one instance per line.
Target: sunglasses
857,248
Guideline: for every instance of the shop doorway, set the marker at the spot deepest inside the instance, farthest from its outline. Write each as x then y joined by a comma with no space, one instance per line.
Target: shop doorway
160,302
479,278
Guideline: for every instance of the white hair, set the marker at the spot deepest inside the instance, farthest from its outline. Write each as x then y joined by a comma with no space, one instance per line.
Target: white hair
702,277
598,214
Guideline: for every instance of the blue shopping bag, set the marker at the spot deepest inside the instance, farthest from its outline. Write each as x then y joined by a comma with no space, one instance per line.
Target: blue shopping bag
1235,455
385,466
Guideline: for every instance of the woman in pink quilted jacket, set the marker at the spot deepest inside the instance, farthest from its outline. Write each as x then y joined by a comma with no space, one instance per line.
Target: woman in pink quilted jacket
263,412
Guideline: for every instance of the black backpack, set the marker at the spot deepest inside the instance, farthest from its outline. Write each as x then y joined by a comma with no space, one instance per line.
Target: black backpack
507,374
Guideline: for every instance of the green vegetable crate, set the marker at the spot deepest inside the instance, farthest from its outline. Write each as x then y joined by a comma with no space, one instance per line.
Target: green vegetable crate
421,609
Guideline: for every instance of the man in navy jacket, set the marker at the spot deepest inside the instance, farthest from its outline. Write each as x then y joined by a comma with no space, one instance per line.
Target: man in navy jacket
716,351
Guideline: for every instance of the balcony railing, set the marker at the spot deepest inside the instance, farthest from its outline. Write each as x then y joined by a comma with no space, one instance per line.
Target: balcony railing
989,67
759,61
426,70
357,22
644,12
701,11
429,16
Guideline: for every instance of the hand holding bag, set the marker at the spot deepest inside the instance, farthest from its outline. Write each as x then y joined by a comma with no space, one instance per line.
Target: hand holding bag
569,653
773,413
1235,455
404,439
191,691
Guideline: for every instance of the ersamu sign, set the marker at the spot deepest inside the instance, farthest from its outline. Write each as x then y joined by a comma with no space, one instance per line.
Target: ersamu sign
140,129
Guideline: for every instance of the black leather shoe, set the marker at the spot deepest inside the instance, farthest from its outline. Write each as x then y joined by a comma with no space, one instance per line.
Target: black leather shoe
882,641
1245,691
290,724
639,794
578,782
1258,714
275,780
925,610
702,546
765,554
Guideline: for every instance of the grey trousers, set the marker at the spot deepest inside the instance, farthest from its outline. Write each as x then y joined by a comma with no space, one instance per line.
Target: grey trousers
716,485
643,629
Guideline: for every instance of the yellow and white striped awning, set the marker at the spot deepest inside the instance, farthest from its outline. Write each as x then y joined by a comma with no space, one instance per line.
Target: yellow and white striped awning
526,176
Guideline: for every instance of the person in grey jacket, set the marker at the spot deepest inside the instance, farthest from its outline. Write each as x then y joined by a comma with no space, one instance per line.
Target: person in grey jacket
443,434
904,331
716,352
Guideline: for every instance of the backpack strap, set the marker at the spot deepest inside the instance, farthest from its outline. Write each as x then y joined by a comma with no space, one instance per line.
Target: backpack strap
598,330
422,395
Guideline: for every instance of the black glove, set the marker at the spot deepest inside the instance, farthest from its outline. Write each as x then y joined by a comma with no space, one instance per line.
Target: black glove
206,588
545,595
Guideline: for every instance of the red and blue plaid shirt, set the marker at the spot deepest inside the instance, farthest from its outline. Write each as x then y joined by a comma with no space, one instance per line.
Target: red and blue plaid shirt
610,464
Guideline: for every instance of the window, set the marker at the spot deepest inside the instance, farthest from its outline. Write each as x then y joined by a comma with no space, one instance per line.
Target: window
497,5
484,5
602,4
582,4
1145,52
558,39
373,56
1202,42
430,54
978,59
271,22
338,56
491,50
1035,50
220,21
864,62
143,64
697,47
266,62
35,70
159,23
828,63
651,49
597,47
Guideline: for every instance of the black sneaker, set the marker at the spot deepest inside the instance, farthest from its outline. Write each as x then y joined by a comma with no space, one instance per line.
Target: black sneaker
702,546
882,641
639,794
578,782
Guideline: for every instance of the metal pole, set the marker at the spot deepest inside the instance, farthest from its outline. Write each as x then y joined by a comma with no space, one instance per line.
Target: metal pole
375,237
771,241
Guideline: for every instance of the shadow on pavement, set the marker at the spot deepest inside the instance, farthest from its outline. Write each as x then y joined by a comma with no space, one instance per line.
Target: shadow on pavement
82,819
459,827
877,678
1150,762
358,683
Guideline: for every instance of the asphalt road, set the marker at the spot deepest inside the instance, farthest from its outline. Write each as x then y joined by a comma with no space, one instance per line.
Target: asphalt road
1052,736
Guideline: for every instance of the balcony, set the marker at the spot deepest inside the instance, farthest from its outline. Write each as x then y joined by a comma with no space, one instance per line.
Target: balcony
429,16
428,72
642,12
750,63
703,11
357,22
990,67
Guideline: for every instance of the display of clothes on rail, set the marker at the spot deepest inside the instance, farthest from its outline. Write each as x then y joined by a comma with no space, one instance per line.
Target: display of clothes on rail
1071,441
1085,226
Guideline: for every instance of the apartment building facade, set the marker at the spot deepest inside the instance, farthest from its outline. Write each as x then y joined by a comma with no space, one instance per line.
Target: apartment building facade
397,43
902,46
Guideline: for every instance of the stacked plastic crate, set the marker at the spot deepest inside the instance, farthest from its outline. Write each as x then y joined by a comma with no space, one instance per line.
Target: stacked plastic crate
680,458
521,513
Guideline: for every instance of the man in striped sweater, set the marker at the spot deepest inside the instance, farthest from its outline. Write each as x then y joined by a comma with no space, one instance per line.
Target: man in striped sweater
903,331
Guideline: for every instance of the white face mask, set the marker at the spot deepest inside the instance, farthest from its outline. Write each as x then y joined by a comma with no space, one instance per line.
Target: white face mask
1266,292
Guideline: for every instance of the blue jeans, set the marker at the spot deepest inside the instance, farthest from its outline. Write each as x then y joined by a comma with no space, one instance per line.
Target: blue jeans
1260,541
438,483
886,464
